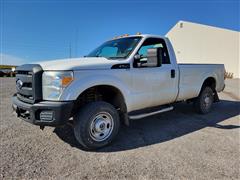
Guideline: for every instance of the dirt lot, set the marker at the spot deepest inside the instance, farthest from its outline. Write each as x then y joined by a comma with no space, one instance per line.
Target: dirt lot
174,145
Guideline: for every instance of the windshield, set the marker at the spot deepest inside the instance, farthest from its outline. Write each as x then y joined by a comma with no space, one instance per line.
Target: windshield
114,49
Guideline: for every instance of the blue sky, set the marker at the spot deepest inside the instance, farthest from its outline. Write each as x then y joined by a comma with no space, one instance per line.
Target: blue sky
35,30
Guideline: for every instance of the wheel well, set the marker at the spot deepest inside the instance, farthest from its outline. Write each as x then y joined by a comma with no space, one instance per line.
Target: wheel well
210,82
105,93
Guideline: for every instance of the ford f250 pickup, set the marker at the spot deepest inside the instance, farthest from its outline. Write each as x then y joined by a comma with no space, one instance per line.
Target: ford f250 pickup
128,77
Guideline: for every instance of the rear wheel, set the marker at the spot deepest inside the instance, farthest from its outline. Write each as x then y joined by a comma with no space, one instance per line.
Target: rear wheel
96,125
204,101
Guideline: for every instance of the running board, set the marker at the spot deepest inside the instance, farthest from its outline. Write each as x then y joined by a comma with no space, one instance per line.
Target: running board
139,116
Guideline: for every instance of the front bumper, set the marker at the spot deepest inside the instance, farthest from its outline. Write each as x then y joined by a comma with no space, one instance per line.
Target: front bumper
61,112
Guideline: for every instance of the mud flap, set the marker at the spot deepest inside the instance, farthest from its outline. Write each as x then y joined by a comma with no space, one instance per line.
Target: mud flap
216,98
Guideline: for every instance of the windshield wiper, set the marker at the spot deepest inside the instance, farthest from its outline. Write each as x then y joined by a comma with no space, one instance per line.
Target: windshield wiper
94,56
97,56
116,57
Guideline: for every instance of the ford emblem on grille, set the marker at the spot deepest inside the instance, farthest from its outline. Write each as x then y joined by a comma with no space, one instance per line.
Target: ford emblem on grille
19,84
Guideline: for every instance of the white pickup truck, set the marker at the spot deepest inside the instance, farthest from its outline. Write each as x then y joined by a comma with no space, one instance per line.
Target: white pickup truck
129,77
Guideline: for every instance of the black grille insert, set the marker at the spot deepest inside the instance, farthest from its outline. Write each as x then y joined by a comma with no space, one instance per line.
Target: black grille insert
29,83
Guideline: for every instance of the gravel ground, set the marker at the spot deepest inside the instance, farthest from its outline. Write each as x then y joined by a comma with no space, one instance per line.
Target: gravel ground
174,145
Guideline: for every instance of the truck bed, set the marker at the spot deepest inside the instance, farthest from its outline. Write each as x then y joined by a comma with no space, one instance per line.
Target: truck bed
192,77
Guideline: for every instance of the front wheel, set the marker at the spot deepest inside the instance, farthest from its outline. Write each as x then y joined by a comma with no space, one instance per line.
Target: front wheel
204,101
97,124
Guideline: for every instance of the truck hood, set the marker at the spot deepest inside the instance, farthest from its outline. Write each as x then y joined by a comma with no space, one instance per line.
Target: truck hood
79,63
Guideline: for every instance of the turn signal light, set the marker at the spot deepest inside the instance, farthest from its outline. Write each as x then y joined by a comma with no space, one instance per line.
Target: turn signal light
66,80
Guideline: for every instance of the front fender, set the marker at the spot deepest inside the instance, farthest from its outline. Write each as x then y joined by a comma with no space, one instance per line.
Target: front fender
83,81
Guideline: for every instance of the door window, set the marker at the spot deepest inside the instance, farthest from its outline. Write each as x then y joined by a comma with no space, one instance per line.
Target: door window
154,43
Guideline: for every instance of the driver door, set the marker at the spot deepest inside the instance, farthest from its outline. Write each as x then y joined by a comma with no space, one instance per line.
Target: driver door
153,86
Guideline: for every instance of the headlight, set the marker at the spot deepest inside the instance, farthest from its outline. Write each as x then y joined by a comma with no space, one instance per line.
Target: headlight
53,83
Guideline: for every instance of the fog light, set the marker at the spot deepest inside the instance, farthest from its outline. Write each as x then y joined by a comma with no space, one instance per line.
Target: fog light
46,115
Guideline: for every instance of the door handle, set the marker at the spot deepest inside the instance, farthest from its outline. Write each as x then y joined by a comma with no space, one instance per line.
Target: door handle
172,73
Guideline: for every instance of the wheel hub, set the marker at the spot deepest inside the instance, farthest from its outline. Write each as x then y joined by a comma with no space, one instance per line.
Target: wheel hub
101,126
207,100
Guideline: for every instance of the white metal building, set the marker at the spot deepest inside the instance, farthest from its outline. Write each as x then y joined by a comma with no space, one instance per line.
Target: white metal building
197,43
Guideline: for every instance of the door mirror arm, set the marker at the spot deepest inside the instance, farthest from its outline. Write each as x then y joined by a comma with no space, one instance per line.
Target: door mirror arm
137,57
138,62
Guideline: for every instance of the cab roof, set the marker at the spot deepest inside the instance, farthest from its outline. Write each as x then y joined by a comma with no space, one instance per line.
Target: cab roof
140,35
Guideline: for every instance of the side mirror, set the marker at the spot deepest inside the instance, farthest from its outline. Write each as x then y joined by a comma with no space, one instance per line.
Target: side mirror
154,58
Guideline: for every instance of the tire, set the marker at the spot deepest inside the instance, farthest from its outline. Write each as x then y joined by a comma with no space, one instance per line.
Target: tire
203,103
96,125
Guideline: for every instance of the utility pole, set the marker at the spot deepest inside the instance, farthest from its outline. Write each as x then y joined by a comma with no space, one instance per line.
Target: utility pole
70,50
76,42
